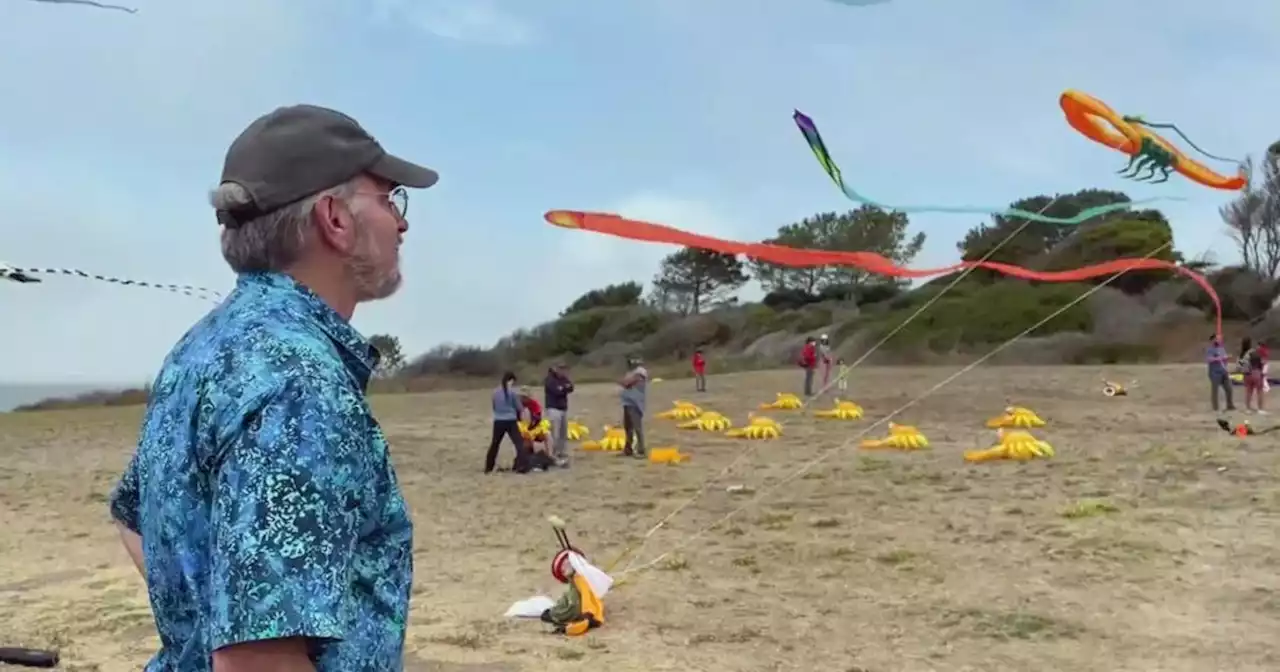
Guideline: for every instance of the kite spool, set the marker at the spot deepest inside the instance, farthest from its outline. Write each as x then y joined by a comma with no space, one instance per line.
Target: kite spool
1114,389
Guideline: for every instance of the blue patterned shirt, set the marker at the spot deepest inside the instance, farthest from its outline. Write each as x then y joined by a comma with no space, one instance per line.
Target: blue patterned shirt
263,491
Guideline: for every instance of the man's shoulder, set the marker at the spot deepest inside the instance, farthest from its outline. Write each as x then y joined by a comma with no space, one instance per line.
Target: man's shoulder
240,354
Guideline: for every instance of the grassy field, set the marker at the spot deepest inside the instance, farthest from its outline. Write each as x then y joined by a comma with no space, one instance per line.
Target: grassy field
1149,543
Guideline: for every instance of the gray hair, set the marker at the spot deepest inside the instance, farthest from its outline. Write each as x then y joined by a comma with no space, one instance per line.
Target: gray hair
274,241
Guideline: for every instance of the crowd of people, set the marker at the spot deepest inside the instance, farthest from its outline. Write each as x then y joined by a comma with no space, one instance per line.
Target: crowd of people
514,404
1252,365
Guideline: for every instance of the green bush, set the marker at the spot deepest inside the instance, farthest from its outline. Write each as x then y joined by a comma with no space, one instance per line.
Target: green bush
1117,353
809,319
760,320
679,339
639,327
573,333
990,314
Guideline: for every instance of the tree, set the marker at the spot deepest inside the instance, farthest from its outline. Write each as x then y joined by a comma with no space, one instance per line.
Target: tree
775,278
870,229
1253,220
392,357
1134,237
694,279
867,229
1038,238
611,296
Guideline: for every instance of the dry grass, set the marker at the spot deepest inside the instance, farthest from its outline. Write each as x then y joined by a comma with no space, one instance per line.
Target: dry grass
1150,543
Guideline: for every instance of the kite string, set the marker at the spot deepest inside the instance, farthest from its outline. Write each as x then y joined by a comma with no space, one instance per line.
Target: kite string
189,290
744,455
934,299
831,451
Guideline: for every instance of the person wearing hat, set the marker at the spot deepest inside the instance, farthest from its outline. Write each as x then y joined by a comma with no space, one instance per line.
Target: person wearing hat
824,358
261,506
634,388
556,388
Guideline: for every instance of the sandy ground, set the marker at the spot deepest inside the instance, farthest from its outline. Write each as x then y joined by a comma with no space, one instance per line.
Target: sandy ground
870,562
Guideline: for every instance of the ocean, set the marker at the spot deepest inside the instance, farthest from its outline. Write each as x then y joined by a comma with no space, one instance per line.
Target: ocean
14,395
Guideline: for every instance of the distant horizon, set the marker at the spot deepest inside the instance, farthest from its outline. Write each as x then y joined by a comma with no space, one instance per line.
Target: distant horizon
13,395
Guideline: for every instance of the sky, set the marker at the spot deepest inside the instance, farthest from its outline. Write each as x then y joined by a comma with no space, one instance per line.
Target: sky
113,127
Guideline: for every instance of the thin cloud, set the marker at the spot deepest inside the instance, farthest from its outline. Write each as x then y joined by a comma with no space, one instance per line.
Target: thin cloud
468,21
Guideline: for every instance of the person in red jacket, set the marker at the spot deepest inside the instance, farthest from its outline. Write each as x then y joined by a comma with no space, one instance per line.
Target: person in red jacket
539,451
809,362
699,371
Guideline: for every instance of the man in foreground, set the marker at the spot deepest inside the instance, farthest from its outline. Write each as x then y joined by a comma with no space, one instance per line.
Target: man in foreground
261,505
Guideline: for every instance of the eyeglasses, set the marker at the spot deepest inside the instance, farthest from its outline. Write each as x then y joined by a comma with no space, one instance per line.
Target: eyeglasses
398,198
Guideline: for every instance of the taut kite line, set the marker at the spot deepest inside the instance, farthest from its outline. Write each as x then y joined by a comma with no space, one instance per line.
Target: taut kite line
615,225
811,136
90,3
31,275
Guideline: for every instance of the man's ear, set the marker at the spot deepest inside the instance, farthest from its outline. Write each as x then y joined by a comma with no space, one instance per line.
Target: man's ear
334,224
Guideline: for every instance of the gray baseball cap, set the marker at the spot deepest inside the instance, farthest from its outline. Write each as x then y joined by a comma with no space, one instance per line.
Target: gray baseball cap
294,152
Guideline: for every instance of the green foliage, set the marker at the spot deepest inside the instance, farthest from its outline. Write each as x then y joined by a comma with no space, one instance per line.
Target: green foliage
391,356
1037,238
760,320
989,314
639,327
680,338
866,229
611,296
788,298
809,318
457,360
692,280
573,333
1133,237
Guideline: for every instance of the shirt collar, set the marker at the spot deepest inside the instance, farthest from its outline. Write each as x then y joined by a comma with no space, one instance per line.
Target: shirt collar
360,355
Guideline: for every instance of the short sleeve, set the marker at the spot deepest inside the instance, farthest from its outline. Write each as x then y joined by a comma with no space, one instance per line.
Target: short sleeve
285,517
125,499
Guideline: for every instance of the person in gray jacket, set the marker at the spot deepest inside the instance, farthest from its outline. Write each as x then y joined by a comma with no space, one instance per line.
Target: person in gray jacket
634,388
506,422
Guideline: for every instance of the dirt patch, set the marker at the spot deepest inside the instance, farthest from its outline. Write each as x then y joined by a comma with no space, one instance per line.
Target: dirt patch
1149,543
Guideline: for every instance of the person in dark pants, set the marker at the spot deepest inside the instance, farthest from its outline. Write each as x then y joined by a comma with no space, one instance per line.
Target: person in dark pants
809,362
699,371
557,388
634,386
1219,377
506,422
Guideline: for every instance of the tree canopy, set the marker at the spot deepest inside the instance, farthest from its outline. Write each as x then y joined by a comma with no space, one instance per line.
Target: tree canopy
692,280
865,229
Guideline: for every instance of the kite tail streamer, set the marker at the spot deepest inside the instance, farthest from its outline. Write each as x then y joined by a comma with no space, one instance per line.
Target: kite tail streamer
614,225
819,148
29,275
